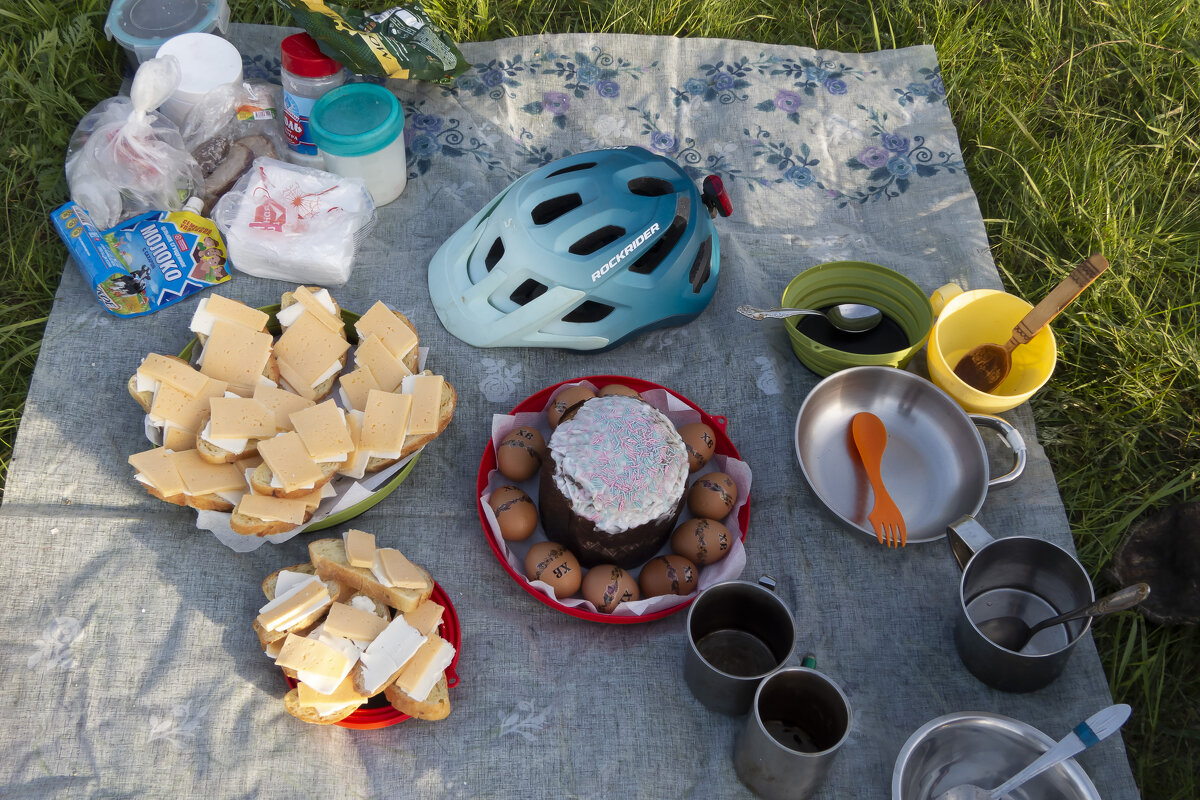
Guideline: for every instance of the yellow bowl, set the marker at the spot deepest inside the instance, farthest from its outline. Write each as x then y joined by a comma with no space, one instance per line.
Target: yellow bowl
977,317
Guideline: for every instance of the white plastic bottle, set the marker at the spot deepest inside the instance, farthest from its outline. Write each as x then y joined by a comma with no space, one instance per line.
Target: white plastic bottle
306,73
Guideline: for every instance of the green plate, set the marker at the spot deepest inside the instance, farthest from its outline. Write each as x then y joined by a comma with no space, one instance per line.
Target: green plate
353,511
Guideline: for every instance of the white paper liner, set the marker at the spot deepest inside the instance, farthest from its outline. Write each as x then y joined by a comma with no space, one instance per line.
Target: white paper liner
349,492
680,414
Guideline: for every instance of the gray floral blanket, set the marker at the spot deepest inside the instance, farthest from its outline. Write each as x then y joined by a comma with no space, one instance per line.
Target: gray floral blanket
131,669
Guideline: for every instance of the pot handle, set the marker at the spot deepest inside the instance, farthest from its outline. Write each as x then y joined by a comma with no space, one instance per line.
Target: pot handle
1014,440
966,537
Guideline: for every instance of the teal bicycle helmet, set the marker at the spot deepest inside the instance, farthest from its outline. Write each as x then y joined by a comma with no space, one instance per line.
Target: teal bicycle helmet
582,253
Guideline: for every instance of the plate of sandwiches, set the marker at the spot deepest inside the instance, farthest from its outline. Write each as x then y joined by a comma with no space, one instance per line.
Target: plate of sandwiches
364,637
286,418
557,544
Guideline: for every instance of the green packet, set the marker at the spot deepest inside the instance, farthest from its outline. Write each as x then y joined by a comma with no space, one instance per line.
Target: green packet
401,42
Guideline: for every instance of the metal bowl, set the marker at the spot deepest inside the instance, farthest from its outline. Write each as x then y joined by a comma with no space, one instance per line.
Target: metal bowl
986,750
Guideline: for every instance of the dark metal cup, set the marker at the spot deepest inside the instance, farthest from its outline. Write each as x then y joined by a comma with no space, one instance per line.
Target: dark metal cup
1023,577
738,633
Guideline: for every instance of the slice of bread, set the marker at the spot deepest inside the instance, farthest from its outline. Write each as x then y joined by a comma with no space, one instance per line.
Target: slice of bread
175,499
435,706
304,626
289,299
145,399
329,557
208,502
291,701
449,400
260,481
247,525
216,455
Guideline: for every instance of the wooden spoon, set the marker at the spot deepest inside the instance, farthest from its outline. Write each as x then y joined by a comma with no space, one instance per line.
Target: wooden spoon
986,366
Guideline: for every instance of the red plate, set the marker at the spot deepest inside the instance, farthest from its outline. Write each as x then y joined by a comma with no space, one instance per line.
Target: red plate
368,716
538,402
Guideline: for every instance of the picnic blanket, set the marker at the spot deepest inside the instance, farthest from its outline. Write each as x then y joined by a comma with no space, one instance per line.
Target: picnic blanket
130,666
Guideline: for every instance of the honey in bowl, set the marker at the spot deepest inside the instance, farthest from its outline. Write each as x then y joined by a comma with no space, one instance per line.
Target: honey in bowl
886,337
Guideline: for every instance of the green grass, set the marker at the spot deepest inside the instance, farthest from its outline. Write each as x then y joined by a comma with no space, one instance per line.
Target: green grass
1080,126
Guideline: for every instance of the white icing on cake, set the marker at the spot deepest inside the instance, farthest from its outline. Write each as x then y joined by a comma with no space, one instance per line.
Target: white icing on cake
620,463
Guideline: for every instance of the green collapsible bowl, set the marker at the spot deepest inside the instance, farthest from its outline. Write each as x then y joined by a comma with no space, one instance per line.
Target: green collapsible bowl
376,496
857,282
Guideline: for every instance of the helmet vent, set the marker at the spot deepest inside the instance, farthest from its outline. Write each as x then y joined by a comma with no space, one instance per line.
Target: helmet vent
597,239
654,256
572,168
651,187
495,254
589,311
529,290
550,210
702,266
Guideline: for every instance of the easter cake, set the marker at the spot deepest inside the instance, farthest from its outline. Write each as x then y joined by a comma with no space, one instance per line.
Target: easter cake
616,484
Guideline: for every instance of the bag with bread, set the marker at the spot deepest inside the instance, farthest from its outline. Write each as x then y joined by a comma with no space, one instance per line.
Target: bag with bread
358,622
265,434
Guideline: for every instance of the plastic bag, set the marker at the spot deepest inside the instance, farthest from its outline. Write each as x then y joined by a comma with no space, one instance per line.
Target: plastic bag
402,42
227,130
124,158
295,224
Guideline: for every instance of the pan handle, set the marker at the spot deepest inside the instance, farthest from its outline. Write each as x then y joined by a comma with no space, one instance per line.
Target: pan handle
1013,437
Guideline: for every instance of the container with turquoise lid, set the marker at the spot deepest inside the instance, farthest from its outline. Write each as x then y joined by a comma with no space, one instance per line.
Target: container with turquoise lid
359,127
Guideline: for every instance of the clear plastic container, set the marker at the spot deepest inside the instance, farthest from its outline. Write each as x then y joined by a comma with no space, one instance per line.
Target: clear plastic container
306,74
206,62
141,26
360,131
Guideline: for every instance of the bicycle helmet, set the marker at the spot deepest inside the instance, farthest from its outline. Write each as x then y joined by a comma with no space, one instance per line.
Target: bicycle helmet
582,253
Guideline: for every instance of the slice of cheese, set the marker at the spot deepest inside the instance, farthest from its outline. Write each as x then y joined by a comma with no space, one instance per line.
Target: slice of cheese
426,391
319,305
387,655
425,617
272,509
183,410
310,350
240,418
323,430
236,355
312,657
168,371
382,322
388,370
215,307
360,548
425,668
354,387
351,623
294,605
289,462
157,469
385,423
391,568
355,465
283,403
200,477
342,697
177,438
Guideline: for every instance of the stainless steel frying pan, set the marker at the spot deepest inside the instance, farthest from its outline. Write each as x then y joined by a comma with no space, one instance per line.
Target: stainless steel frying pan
935,465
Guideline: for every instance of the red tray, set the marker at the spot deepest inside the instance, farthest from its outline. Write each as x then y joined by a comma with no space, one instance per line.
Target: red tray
370,717
537,402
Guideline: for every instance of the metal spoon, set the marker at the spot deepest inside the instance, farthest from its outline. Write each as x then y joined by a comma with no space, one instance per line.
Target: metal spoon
1013,632
846,317
1099,726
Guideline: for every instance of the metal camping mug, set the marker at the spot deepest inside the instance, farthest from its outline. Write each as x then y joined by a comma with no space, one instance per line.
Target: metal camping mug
1017,576
800,720
738,633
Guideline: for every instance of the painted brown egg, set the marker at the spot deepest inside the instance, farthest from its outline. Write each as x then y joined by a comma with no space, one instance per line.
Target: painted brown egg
700,442
515,513
555,565
607,586
702,541
712,496
618,389
564,400
671,574
520,454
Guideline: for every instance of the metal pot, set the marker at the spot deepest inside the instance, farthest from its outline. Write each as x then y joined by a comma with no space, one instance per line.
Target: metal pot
935,465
